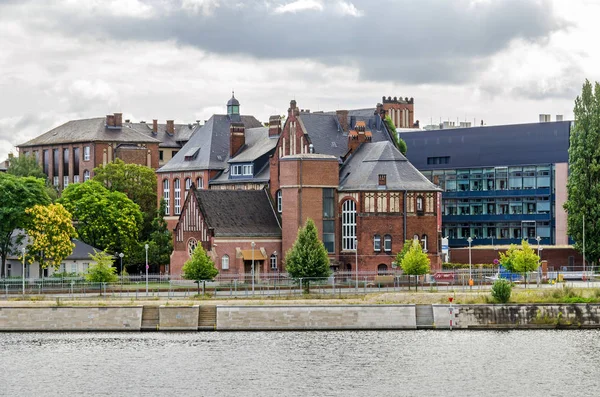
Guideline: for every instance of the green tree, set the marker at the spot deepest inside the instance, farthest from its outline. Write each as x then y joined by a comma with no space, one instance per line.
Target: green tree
138,182
199,267
415,261
400,144
405,248
308,257
50,231
102,271
583,185
104,219
520,260
160,245
25,166
17,194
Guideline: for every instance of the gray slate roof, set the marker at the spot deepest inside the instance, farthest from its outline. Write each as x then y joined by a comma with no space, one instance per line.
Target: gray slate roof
80,252
257,144
213,140
362,169
238,213
183,132
89,130
326,136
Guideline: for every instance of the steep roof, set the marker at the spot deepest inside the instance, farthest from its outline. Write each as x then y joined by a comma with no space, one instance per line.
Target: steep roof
239,213
89,130
327,137
182,134
257,144
212,144
362,169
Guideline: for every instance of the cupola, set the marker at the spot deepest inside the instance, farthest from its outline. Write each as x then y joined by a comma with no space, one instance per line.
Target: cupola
233,106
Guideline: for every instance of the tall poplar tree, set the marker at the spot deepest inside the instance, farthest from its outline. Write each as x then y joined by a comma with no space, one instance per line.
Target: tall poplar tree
583,185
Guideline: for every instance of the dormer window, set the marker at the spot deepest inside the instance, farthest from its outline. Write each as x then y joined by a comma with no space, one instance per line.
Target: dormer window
192,153
241,170
247,170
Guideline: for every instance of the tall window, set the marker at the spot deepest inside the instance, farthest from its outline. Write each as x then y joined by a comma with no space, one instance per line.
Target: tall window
273,262
65,181
86,175
166,196
279,201
419,203
424,241
349,225
76,163
86,153
192,244
225,262
45,161
188,185
55,162
177,196
377,243
329,220
65,168
387,243
199,183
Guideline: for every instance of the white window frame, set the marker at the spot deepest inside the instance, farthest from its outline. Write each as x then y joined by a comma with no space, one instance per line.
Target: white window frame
279,201
86,175
236,170
166,194
424,241
73,267
199,183
56,181
419,203
273,261
387,243
65,181
75,178
247,169
225,262
177,195
377,242
188,185
349,225
86,153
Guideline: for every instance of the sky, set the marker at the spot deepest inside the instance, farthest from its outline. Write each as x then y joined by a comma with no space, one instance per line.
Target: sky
500,61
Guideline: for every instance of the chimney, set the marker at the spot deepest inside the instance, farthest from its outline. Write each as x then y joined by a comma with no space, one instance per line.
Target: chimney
382,180
416,124
170,127
358,135
237,138
342,116
110,120
119,120
274,126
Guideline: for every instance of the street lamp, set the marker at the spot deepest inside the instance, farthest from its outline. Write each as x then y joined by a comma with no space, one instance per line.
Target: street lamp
470,240
253,245
121,255
146,246
23,249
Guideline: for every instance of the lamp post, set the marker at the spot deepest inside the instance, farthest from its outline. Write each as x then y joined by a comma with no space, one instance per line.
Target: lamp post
470,240
356,256
121,255
146,246
253,245
23,270
538,239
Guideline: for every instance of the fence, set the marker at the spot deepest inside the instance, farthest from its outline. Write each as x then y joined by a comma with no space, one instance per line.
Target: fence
274,284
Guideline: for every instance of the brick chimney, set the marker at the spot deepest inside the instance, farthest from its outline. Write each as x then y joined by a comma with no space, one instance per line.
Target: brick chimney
382,180
293,109
342,116
119,120
170,127
358,136
237,138
155,126
380,110
274,126
110,120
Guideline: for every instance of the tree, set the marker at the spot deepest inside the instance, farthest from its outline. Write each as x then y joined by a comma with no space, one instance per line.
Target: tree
25,166
17,195
160,245
104,219
415,261
102,271
308,257
199,267
50,231
138,182
501,290
583,185
400,144
405,248
520,260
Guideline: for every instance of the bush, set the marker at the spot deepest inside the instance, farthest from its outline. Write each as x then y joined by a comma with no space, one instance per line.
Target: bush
501,290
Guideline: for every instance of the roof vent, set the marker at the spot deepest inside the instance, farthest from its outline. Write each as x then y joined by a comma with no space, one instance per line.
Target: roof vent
311,148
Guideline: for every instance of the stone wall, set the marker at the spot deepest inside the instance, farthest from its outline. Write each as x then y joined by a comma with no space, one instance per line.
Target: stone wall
65,318
178,318
237,318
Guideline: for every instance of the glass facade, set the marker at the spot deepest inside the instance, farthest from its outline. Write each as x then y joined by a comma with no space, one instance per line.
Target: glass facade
499,205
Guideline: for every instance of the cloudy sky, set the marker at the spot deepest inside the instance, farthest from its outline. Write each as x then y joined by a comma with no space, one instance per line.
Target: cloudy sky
503,61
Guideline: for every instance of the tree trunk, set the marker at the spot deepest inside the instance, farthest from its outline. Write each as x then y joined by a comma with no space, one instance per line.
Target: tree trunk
416,283
2,275
198,282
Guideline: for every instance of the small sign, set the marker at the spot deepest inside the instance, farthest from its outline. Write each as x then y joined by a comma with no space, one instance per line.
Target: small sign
147,267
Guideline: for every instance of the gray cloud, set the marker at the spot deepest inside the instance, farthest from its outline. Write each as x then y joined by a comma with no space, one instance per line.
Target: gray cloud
429,41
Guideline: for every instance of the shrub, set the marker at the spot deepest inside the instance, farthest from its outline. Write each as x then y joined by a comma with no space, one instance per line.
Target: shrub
501,290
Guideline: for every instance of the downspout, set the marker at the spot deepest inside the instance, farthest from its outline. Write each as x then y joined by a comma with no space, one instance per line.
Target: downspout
300,193
404,215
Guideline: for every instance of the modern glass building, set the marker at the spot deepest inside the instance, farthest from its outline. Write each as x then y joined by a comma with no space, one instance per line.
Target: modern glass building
500,184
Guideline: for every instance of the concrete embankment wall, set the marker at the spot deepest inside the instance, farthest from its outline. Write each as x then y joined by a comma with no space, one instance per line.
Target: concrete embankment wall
338,317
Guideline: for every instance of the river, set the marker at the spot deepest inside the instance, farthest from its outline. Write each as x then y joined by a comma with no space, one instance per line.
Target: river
378,363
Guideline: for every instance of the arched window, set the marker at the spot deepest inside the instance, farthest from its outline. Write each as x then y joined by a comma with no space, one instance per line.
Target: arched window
387,243
177,195
199,183
420,204
349,225
416,237
192,244
279,201
86,175
188,185
225,262
382,269
166,195
274,261
424,241
377,243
